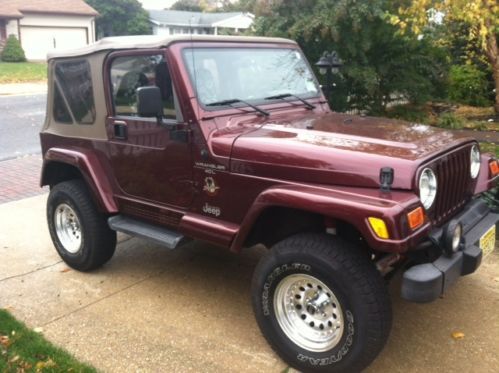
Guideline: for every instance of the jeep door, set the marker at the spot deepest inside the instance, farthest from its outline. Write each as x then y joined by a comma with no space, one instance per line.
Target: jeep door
148,159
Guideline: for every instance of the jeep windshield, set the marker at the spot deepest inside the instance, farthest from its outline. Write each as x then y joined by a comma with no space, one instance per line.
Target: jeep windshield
248,74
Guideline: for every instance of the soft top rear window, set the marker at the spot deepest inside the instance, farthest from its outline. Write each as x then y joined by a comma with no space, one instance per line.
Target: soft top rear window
75,81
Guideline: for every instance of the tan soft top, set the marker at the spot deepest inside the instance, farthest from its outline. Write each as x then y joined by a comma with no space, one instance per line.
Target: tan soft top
157,41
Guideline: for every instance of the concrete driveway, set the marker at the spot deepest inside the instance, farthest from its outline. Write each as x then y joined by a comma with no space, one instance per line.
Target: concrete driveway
151,309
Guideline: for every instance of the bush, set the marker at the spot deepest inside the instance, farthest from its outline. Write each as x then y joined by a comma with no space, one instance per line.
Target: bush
451,121
410,113
468,85
13,52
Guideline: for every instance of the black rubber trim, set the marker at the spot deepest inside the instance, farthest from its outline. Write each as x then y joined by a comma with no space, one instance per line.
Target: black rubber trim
426,282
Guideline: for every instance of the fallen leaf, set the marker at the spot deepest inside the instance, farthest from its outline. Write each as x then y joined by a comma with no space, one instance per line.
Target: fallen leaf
14,359
38,330
65,270
45,364
25,365
457,335
4,340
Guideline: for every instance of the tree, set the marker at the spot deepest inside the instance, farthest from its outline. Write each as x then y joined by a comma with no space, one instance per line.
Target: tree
378,63
468,85
120,17
13,52
236,6
481,17
188,5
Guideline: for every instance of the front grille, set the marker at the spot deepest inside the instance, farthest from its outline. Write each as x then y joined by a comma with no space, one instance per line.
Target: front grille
454,184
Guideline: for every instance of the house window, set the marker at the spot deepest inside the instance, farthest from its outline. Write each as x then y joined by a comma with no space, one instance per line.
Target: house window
75,83
3,30
132,72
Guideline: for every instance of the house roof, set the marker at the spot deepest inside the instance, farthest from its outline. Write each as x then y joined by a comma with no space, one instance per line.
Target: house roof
16,8
158,41
195,19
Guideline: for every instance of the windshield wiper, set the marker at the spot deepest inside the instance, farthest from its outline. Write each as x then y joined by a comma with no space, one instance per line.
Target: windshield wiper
235,101
286,95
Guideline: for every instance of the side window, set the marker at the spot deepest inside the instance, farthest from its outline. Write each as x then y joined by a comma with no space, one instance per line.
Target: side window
131,72
75,83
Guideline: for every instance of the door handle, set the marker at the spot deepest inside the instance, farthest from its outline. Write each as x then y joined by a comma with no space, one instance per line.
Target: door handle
120,129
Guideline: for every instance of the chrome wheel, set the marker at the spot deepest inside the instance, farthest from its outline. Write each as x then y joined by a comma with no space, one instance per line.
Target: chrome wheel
308,312
68,228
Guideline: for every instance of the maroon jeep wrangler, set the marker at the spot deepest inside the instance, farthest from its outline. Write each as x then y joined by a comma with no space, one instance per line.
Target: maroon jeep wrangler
229,140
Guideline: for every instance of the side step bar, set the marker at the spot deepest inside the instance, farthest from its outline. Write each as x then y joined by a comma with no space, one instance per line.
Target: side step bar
134,227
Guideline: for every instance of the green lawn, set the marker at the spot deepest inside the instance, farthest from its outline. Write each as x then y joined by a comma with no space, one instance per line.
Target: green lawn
17,72
23,350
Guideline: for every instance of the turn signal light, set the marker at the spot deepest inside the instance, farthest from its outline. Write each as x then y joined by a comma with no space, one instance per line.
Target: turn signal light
494,168
415,218
379,227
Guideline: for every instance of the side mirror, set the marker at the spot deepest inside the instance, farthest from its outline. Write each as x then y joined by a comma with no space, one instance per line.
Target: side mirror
149,102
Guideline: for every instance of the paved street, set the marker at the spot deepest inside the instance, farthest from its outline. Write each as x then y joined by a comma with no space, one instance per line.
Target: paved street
21,118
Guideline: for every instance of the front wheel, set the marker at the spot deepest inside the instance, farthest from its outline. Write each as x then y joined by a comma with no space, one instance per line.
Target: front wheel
321,304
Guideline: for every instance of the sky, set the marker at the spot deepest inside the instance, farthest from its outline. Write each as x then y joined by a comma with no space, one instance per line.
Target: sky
156,4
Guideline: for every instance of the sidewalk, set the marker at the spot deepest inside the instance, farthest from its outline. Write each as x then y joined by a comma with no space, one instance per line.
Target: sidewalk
23,88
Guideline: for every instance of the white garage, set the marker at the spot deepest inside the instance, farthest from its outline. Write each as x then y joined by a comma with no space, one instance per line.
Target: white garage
43,26
37,41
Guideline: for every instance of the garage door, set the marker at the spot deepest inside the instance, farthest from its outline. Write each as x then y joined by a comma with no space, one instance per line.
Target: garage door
37,41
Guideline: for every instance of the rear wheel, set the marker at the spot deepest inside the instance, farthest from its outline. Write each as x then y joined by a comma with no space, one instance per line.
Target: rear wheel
321,304
80,233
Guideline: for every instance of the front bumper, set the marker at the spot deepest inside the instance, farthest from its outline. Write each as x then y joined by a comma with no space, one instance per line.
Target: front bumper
426,282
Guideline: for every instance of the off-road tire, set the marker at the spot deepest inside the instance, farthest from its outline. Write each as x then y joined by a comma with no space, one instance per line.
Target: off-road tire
352,278
98,241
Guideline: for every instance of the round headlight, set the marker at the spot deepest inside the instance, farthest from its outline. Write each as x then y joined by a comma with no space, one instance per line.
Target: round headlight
427,187
475,161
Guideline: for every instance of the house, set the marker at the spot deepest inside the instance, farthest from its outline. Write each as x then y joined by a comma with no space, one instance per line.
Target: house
46,25
172,22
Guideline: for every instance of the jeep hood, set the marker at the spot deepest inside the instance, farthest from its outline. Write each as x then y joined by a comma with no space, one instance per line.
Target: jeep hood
335,149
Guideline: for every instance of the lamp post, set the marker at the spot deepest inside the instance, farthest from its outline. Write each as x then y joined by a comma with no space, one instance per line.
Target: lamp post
328,64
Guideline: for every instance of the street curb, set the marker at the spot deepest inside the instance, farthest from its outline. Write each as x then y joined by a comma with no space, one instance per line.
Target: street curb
15,89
